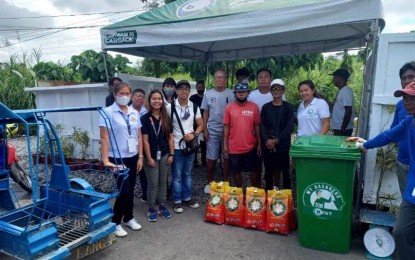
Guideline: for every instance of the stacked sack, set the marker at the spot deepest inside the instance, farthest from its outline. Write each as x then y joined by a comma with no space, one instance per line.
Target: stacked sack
272,212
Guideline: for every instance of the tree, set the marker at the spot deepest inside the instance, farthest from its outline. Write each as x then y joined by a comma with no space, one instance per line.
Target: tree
91,65
157,68
52,71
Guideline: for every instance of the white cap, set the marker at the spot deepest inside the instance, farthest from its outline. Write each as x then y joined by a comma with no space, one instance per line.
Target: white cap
277,81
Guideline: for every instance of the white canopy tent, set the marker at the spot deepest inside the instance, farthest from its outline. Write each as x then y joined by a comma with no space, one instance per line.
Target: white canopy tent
213,30
219,30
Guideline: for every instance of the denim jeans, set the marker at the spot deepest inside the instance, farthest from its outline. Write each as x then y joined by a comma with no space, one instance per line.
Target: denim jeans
182,176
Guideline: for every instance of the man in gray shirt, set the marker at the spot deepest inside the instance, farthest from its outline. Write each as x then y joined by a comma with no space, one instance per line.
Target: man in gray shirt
213,105
343,109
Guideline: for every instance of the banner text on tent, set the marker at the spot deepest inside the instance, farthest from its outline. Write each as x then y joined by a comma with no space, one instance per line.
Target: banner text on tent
120,38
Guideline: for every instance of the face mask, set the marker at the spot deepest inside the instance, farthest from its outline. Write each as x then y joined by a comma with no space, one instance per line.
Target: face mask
241,101
200,92
169,91
123,100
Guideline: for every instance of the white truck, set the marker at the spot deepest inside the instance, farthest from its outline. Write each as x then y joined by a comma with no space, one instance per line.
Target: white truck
394,50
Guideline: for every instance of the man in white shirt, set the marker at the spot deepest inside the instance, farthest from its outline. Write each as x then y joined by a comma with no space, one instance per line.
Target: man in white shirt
183,118
262,95
343,109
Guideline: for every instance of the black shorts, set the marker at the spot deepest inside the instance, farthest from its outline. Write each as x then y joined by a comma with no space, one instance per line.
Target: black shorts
244,161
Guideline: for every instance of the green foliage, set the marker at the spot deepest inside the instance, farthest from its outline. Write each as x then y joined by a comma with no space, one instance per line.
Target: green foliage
81,137
14,77
91,66
157,68
385,161
389,201
53,71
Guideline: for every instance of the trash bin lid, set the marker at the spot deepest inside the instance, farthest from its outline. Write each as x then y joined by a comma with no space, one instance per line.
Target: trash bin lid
324,146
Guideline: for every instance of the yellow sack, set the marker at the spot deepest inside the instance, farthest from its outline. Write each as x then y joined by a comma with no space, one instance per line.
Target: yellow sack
215,205
255,209
234,207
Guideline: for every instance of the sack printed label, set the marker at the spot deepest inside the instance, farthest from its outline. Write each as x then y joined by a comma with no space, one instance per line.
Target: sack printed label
323,200
193,7
120,38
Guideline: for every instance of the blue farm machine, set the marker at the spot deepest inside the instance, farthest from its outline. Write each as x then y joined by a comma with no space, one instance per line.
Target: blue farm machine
67,217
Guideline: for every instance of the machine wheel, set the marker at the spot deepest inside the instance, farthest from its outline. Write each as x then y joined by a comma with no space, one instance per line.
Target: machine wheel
20,176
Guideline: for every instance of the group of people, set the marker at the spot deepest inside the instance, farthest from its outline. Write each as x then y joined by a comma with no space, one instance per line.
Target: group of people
150,139
253,129
244,130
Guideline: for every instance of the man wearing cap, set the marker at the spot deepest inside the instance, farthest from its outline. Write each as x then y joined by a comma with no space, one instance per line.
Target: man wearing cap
241,138
407,75
183,118
404,230
277,124
213,105
343,109
242,75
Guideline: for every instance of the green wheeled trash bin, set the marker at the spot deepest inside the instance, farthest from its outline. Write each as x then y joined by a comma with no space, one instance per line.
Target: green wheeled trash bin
325,167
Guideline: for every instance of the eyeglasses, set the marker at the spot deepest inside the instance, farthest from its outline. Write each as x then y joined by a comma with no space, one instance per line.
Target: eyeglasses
277,89
139,96
183,89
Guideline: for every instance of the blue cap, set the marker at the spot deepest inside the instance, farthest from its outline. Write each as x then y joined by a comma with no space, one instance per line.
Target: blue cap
241,87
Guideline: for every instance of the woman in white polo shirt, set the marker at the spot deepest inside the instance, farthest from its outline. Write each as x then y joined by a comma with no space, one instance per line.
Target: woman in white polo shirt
313,114
126,126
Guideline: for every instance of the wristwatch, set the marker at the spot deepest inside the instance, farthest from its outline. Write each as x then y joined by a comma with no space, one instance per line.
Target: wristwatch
196,134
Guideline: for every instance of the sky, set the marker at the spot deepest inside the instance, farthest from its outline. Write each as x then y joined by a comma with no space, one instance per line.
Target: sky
49,35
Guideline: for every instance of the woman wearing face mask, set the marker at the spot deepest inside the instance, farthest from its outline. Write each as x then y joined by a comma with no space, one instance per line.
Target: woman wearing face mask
313,114
126,126
169,90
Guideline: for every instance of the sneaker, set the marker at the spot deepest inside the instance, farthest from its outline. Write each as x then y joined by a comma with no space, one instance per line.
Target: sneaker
191,203
119,231
164,213
207,189
132,223
152,215
178,208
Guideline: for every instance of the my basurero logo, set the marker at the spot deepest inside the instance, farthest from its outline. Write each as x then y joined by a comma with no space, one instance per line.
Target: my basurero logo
193,7
323,200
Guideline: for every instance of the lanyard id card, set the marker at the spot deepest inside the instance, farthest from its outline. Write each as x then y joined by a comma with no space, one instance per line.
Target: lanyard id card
132,145
158,155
